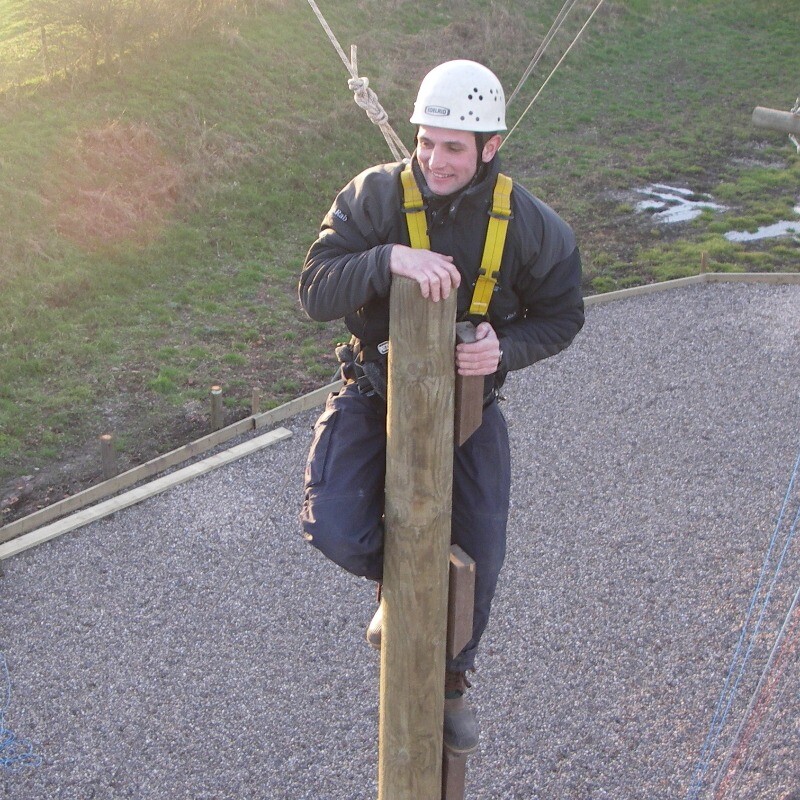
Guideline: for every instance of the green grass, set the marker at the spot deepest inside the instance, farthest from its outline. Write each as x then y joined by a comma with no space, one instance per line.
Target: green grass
251,130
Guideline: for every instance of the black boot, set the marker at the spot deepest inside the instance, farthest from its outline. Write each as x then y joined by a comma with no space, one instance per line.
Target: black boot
461,731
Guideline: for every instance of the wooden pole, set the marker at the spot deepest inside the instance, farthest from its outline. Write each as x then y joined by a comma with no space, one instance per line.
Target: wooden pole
419,482
774,120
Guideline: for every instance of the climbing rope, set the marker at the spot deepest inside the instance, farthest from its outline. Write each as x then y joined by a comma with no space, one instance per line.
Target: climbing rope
364,96
758,724
770,676
368,100
15,754
742,654
553,71
554,29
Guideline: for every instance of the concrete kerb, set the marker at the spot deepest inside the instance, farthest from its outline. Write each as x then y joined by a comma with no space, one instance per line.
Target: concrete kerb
136,476
37,527
80,518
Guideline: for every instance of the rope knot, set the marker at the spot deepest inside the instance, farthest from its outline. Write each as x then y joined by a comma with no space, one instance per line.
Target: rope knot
367,99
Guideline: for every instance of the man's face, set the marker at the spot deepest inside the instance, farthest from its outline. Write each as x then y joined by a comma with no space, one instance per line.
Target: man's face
448,158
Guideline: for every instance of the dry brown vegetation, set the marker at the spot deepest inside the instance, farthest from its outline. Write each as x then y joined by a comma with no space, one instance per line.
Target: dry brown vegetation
115,185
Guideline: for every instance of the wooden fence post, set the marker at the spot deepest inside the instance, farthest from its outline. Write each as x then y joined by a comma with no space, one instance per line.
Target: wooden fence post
216,408
108,456
419,482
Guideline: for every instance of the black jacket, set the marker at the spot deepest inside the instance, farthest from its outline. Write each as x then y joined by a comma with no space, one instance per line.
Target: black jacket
537,307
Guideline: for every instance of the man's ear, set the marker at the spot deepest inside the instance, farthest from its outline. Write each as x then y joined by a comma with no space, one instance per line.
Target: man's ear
490,148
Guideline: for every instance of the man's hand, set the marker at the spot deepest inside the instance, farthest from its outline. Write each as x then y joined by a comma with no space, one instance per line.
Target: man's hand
481,357
435,273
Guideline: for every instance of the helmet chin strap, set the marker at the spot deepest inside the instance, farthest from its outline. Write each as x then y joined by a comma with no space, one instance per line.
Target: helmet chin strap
480,141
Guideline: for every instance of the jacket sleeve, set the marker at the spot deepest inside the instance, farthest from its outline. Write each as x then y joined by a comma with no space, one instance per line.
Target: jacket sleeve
553,316
348,264
549,289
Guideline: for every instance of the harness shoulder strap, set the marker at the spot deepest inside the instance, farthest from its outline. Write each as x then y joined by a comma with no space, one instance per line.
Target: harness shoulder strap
414,209
493,247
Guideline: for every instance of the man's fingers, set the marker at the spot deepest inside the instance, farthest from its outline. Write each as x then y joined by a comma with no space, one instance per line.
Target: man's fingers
437,282
435,273
481,356
483,330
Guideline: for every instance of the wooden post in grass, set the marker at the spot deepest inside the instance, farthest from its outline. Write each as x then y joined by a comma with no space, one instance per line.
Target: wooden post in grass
108,456
774,120
255,401
419,482
216,408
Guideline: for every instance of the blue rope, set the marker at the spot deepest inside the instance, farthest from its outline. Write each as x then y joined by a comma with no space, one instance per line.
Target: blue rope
15,754
720,716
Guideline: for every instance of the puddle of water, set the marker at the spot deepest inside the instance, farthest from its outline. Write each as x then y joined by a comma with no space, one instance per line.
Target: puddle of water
784,228
675,204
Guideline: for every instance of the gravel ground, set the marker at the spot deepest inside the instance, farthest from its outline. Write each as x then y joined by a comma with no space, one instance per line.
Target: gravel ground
193,646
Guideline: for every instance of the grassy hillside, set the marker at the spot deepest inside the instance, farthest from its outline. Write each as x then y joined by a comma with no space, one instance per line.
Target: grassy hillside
156,209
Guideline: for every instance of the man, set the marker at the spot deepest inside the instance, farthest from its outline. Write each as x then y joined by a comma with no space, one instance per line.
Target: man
533,311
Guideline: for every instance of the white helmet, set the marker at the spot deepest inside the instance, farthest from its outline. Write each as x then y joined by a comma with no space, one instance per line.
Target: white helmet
461,95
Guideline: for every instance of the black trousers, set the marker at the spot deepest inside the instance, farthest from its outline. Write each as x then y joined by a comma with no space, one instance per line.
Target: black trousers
342,512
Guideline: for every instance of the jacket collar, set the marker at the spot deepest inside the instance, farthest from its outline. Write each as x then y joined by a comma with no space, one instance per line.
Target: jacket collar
482,184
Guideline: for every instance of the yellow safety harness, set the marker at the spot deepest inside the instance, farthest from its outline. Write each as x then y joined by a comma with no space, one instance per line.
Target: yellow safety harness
414,209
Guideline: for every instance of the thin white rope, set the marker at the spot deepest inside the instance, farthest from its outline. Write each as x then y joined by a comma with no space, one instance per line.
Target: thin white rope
547,80
558,22
364,96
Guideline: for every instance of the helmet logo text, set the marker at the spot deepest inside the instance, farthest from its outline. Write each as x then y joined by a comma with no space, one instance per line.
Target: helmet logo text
437,111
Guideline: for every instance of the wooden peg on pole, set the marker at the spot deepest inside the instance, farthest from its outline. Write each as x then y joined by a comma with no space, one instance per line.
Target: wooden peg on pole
419,481
460,614
469,393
